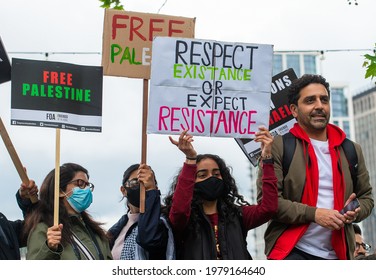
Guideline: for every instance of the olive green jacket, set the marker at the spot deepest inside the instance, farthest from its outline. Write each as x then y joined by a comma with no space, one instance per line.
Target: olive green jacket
37,248
290,190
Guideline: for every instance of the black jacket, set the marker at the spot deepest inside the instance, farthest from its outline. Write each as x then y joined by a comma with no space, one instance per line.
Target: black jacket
200,244
11,232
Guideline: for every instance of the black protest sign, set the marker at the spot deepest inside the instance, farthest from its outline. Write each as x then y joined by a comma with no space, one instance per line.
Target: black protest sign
5,68
280,113
56,94
280,120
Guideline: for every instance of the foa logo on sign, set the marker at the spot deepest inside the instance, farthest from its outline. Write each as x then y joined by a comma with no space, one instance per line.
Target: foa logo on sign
54,117
50,116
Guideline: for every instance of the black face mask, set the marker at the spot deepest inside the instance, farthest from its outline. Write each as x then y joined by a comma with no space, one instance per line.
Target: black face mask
133,195
210,189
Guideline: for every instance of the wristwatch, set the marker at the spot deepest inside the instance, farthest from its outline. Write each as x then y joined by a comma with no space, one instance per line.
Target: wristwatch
268,160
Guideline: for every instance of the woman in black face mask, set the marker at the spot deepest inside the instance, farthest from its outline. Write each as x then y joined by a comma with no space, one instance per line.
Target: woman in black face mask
136,235
209,217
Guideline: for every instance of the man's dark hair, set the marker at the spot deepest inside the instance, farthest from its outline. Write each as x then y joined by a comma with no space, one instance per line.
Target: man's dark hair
305,80
357,229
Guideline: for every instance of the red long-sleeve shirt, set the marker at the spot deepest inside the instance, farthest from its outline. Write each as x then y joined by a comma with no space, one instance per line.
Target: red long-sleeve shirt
253,215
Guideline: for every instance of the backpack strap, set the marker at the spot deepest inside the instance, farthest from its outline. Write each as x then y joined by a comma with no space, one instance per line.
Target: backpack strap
78,245
289,144
352,158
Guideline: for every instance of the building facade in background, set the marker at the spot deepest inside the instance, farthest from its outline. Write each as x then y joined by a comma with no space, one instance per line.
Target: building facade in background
301,62
364,105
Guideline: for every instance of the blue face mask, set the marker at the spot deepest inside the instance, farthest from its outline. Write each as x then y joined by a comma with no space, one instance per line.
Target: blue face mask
80,199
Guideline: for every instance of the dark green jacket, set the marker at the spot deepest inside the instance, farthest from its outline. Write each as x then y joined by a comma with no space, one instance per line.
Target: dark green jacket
37,248
290,190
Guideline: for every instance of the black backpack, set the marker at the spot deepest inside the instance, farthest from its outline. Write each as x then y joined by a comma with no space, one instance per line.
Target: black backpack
289,144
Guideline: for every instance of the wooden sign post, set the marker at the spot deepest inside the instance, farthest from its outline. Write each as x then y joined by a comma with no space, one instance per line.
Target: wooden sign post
57,178
16,160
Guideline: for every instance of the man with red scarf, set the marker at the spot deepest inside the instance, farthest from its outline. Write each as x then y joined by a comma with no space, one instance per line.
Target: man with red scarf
318,184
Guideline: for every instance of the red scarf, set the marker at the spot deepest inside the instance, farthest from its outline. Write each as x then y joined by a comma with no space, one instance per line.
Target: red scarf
288,239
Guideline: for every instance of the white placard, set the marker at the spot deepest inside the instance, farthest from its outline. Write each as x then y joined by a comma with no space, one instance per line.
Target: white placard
212,88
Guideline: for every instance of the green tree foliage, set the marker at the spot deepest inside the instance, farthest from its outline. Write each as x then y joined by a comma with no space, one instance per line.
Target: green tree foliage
370,64
111,4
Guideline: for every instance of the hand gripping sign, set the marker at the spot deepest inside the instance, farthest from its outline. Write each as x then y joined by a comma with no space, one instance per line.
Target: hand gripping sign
281,118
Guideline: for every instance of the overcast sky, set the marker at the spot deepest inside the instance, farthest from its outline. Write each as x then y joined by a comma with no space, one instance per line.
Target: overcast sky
77,26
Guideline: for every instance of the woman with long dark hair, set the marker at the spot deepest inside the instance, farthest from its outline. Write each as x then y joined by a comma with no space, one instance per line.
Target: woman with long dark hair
77,236
209,217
